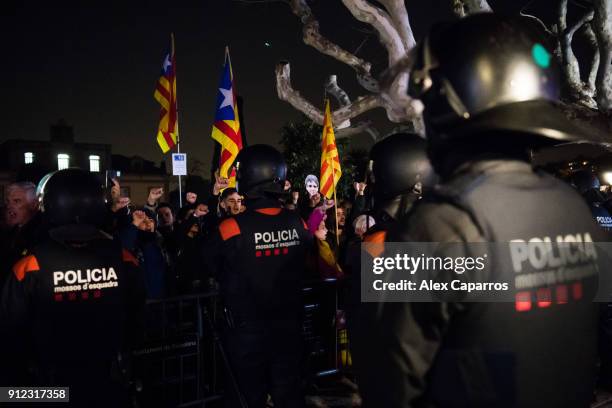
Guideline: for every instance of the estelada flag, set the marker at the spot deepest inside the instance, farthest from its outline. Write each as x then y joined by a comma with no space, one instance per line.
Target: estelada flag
226,129
330,161
165,94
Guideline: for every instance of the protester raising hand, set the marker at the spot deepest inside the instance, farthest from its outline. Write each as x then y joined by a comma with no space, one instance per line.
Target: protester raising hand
201,210
154,196
138,218
118,202
295,197
359,188
221,183
314,200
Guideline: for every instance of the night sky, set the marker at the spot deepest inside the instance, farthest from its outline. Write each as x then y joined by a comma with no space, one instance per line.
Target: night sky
96,66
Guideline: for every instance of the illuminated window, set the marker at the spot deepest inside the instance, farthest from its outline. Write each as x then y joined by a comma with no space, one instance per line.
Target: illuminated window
94,163
63,161
28,157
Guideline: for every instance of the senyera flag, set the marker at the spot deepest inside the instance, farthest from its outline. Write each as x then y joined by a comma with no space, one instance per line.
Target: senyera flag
226,129
165,94
330,161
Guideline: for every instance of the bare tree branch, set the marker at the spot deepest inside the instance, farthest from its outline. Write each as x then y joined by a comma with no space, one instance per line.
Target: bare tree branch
459,8
603,31
286,93
313,38
399,15
331,86
477,6
592,41
569,63
380,20
361,127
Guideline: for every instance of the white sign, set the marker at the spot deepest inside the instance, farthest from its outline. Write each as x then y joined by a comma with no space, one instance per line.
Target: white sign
179,164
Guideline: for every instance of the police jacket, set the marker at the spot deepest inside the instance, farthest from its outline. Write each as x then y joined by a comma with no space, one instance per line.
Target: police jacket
259,259
532,353
75,305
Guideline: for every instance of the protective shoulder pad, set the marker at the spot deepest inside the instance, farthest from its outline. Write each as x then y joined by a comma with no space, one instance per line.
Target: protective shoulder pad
229,228
376,243
128,257
25,265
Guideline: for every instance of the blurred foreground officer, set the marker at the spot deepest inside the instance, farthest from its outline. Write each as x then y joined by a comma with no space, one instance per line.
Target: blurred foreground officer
72,304
400,173
261,256
489,86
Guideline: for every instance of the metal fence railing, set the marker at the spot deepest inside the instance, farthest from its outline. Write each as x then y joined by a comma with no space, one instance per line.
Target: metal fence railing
179,364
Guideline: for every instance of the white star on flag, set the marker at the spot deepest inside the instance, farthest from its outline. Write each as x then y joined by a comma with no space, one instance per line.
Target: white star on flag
228,98
167,63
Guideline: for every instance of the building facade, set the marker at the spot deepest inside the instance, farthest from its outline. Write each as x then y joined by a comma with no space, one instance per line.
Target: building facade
30,160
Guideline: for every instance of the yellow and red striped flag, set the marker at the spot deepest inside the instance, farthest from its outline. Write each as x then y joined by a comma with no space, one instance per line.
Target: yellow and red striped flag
330,161
165,94
226,129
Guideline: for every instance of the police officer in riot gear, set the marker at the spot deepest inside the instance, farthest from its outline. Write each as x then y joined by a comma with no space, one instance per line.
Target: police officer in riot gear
400,174
489,85
259,258
76,301
588,185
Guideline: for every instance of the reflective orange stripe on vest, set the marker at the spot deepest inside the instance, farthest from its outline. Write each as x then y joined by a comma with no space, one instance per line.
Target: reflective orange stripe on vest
376,243
229,228
25,265
269,211
128,257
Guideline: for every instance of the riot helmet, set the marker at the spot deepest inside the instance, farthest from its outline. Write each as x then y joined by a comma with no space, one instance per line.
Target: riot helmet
490,76
400,165
400,173
72,196
260,169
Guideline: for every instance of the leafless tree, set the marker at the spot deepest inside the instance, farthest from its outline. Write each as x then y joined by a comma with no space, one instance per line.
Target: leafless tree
390,20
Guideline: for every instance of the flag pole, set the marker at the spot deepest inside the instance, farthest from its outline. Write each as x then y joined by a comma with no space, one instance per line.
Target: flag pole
335,203
333,179
178,137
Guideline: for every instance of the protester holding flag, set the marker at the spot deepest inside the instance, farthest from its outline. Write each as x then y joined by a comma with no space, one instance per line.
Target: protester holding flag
330,162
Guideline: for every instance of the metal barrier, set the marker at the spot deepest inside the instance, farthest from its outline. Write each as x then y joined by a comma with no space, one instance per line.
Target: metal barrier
320,338
179,365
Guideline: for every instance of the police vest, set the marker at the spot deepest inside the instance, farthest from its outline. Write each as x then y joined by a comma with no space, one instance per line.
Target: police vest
78,301
540,349
263,263
602,216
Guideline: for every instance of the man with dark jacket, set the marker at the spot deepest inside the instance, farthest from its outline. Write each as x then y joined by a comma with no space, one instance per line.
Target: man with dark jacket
76,300
400,172
489,86
259,261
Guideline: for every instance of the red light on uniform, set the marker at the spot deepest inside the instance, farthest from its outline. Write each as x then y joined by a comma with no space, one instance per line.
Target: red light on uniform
522,302
561,293
544,297
577,290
